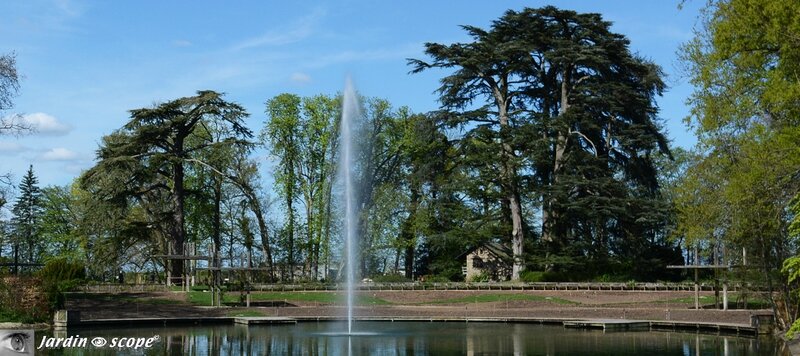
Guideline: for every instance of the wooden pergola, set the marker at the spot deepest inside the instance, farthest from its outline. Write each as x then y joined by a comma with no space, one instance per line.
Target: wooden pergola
216,300
697,267
187,271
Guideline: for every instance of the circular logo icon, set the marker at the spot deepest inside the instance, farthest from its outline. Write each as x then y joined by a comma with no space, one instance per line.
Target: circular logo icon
18,342
156,337
99,342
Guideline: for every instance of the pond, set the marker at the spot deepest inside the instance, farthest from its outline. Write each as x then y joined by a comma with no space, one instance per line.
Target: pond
405,338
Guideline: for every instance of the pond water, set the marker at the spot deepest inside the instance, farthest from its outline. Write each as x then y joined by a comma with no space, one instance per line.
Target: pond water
406,338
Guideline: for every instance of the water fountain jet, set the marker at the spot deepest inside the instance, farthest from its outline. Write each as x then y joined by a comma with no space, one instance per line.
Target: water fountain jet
350,111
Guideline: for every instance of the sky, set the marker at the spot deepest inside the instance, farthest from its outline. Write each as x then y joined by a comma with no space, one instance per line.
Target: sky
87,63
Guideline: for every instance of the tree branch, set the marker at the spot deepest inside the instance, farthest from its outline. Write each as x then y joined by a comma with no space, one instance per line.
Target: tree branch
594,148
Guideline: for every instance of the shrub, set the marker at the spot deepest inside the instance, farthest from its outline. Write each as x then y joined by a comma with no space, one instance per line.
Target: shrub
481,277
61,269
542,276
435,279
59,276
793,330
612,278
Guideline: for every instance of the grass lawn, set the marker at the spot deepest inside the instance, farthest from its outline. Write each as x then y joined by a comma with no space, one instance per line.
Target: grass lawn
753,302
246,313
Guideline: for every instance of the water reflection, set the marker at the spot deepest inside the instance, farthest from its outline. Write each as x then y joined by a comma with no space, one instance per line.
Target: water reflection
404,338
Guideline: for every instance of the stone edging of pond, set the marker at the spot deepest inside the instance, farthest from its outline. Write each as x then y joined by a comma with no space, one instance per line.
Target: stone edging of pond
605,324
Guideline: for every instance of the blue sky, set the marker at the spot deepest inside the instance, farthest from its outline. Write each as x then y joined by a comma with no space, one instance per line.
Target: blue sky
86,63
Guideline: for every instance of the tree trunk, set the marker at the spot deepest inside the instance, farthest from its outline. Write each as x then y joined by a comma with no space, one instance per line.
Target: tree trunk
179,230
550,217
408,232
516,234
262,230
290,232
255,207
215,235
327,239
310,227
319,204
315,254
508,176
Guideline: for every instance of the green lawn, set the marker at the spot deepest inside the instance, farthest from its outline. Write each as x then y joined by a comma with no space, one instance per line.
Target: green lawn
753,302
703,299
246,313
204,298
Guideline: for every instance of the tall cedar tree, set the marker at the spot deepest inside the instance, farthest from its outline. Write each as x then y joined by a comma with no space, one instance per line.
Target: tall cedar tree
593,103
487,70
563,98
151,151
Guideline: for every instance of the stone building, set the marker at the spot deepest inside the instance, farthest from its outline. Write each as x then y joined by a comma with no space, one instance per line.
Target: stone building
491,261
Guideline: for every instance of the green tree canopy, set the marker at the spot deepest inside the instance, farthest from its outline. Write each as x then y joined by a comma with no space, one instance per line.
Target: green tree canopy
569,113
744,63
27,210
146,158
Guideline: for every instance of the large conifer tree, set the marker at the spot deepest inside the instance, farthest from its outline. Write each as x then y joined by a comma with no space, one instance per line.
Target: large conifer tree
25,223
560,102
146,160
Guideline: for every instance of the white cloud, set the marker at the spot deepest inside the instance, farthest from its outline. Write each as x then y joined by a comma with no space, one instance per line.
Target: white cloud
59,154
275,38
300,78
45,124
300,30
399,52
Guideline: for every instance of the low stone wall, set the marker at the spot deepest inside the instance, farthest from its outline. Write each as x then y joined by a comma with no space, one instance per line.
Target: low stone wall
493,286
121,288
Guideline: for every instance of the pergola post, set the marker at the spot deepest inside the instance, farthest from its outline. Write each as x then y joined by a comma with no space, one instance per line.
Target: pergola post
186,277
725,294
696,267
696,280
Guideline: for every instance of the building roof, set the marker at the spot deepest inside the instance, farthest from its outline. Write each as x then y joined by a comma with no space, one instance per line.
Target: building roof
498,249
